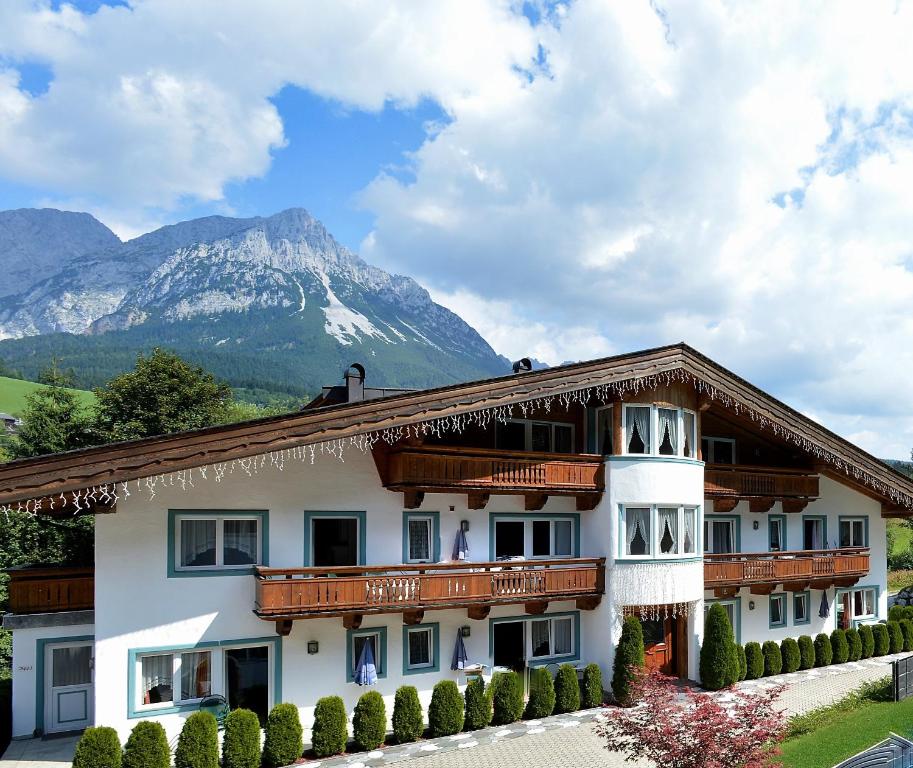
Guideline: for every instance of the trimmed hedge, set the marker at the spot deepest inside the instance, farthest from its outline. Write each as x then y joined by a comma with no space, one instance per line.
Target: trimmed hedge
198,744
147,747
282,745
789,650
824,653
895,635
806,652
329,732
743,662
591,689
567,690
840,647
541,701
718,663
445,713
868,641
773,660
507,698
900,612
408,724
98,747
906,626
478,705
629,660
241,741
369,721
855,644
754,661
882,640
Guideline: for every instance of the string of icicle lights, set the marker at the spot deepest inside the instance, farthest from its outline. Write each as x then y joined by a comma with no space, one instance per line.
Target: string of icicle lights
337,448
657,612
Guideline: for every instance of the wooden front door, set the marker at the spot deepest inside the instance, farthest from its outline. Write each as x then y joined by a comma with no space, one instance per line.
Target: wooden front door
658,651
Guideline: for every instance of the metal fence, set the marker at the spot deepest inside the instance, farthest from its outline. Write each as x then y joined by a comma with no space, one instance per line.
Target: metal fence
902,672
893,752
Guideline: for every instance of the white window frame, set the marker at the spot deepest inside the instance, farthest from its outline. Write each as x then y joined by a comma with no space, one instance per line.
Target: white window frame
653,545
654,430
429,521
528,437
429,632
380,664
850,521
709,521
176,663
711,440
220,542
528,535
551,638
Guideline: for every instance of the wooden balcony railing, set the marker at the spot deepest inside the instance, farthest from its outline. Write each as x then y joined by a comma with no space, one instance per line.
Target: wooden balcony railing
746,481
47,590
800,567
301,593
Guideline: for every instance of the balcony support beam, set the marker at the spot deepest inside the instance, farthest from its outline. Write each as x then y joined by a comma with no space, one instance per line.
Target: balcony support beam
284,627
478,499
588,603
537,608
534,501
478,612
411,618
413,499
352,620
846,581
761,505
796,586
794,506
762,589
588,501
822,584
725,504
723,593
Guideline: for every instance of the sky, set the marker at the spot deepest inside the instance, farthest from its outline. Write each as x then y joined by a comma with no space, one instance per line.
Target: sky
574,179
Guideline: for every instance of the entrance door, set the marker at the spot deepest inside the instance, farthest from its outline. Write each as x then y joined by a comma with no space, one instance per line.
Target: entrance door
69,699
813,533
510,645
247,679
658,653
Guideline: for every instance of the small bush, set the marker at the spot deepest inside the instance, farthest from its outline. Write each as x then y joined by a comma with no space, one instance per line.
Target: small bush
868,641
719,665
806,652
408,724
241,741
567,690
478,705
629,660
507,697
329,731
98,747
743,662
824,653
147,747
840,647
754,661
773,660
854,641
895,636
591,690
789,650
198,744
882,640
445,713
897,613
906,626
369,721
541,702
282,745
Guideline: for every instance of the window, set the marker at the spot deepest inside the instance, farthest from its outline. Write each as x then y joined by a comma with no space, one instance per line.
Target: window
689,545
814,533
720,535
637,428
668,431
551,637
656,430
733,609
689,445
421,537
856,604
637,531
338,538
801,608
534,537
162,675
542,436
668,530
605,431
776,533
658,531
852,532
357,639
208,542
718,450
420,648
777,611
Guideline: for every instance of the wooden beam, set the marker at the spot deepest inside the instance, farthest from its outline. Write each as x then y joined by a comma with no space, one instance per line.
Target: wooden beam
760,506
794,506
722,593
478,612
284,627
411,618
704,401
762,589
352,620
587,501
796,586
588,603
725,504
890,510
846,581
537,608
534,501
618,433
413,499
478,499
822,584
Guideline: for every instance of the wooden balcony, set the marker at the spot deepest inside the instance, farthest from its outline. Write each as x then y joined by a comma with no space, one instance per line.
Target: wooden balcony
481,472
796,571
727,484
50,589
286,594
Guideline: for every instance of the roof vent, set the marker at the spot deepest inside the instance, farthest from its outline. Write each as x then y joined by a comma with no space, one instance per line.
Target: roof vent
523,365
355,383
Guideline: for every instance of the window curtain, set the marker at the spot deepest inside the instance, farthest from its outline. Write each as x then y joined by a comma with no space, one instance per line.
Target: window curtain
418,540
198,542
668,529
157,676
639,418
420,648
688,419
195,675
668,423
688,538
539,632
240,542
562,632
637,520
72,666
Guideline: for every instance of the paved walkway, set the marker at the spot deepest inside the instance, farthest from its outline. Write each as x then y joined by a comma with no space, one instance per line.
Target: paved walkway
40,753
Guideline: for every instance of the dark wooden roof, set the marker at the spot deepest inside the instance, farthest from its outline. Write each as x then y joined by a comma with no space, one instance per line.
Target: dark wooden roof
44,475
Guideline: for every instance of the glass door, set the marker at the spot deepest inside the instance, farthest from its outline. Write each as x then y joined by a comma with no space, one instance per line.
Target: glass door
247,679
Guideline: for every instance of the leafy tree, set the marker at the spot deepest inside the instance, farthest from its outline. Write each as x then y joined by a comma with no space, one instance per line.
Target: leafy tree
162,394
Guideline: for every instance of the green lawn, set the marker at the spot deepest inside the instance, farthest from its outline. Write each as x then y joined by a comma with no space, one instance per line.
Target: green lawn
14,391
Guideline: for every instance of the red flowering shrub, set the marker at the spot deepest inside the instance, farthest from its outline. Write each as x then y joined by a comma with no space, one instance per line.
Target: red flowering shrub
682,728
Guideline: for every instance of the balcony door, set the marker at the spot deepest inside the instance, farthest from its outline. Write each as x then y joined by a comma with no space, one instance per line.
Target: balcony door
334,541
813,533
509,640
69,695
720,536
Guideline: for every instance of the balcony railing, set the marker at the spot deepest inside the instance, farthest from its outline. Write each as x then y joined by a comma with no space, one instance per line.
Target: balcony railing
48,590
747,568
746,481
292,593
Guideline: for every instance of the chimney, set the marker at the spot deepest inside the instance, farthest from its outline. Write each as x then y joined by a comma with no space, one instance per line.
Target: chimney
523,365
355,383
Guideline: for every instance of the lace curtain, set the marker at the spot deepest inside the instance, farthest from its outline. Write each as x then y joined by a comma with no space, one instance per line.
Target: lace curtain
195,675
638,418
637,521
668,529
198,542
668,427
240,543
688,537
157,674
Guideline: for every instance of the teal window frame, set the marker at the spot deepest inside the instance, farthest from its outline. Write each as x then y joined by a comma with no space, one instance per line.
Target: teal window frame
40,673
784,546
858,588
539,660
494,517
175,572
361,516
736,519
351,634
736,603
823,528
435,533
784,615
808,607
865,527
133,655
435,665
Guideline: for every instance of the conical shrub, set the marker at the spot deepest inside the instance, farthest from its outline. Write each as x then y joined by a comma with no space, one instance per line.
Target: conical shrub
629,660
719,664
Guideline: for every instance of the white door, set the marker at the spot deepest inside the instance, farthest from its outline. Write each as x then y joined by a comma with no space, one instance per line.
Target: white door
69,698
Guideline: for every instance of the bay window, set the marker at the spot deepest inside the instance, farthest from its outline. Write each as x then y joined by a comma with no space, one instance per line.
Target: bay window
657,531
657,430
